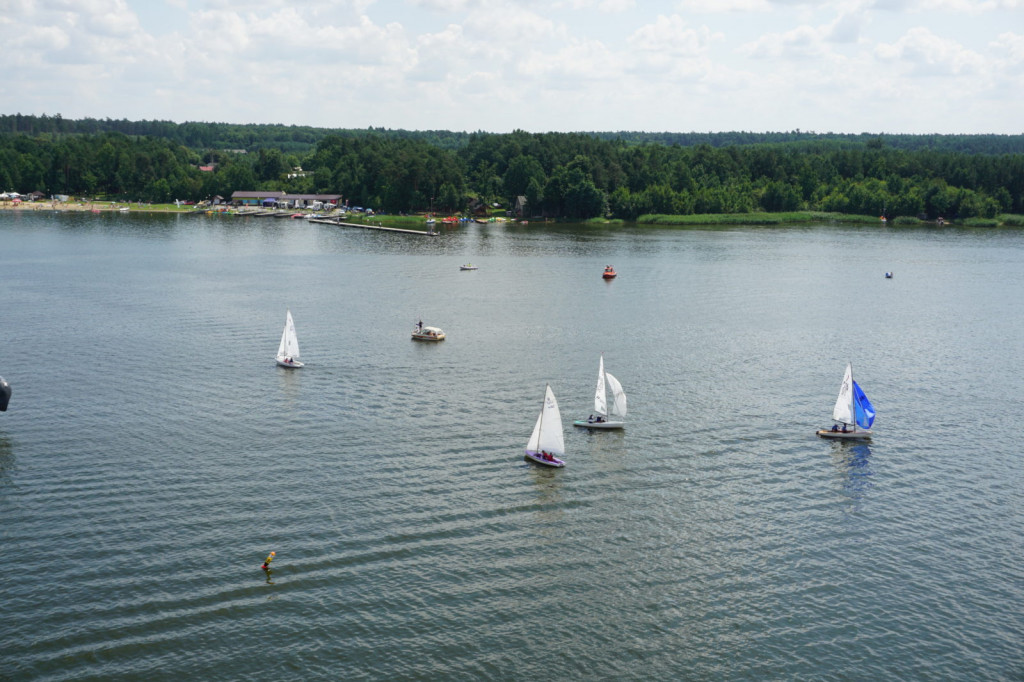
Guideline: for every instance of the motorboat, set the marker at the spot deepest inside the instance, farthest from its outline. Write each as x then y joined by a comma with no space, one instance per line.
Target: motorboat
421,333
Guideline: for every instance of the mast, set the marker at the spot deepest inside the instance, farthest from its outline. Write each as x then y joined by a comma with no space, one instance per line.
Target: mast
853,399
600,395
543,404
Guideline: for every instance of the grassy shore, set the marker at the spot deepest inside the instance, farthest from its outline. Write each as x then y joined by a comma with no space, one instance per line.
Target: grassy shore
93,206
794,217
418,222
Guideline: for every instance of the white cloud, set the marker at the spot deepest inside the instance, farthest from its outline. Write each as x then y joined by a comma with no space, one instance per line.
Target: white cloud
925,53
1012,45
797,44
717,6
532,64
671,36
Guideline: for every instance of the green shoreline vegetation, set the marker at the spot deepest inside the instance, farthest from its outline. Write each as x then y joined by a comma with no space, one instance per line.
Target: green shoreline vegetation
417,222
637,178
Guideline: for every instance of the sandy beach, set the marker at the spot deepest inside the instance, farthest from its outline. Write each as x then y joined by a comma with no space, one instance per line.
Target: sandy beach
91,206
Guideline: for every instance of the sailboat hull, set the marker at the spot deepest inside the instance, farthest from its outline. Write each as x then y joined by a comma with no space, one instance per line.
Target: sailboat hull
536,457
599,425
294,364
849,435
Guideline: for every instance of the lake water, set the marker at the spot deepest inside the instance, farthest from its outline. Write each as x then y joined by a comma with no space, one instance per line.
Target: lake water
153,454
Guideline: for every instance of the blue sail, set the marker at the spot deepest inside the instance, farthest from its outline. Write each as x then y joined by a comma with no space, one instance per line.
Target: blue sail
863,408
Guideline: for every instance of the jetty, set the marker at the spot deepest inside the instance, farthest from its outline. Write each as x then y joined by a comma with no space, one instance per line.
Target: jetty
379,228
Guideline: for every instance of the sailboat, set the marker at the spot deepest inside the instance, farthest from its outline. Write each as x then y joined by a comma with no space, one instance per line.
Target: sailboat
547,442
606,418
288,351
852,410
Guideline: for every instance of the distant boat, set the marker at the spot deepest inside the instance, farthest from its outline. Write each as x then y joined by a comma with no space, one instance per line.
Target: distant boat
5,394
609,273
852,409
547,441
288,351
888,275
421,333
469,266
606,417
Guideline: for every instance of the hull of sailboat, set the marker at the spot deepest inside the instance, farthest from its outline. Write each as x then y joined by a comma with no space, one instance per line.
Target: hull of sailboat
294,364
468,267
849,435
427,337
599,425
537,458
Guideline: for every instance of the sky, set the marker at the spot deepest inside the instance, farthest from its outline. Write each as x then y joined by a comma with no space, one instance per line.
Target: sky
844,66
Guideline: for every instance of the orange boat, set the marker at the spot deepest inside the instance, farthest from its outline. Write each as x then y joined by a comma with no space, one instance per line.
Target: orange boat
609,273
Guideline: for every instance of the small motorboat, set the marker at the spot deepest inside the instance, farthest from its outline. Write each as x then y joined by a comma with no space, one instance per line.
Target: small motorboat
609,273
469,266
421,333
5,394
888,275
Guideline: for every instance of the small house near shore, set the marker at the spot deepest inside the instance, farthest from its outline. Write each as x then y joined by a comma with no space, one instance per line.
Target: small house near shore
282,200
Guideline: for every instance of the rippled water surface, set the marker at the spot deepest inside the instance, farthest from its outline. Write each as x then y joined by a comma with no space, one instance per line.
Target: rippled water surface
152,454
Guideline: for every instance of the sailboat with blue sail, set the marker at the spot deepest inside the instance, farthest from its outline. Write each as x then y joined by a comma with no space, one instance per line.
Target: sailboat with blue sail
854,414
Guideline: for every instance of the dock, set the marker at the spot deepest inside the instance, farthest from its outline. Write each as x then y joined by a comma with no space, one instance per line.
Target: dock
380,228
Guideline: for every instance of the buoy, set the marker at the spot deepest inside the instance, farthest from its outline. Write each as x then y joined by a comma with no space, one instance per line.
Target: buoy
266,564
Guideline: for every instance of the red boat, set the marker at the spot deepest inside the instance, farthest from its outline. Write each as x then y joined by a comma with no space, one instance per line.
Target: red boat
609,273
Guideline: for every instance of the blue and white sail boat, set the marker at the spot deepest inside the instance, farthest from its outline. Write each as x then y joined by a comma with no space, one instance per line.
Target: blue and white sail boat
853,412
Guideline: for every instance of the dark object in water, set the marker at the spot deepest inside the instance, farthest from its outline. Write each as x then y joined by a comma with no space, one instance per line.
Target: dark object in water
5,394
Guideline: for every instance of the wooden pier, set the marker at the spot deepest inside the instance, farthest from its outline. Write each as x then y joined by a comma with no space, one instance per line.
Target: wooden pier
381,228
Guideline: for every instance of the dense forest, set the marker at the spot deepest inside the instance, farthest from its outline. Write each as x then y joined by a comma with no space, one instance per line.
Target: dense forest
571,175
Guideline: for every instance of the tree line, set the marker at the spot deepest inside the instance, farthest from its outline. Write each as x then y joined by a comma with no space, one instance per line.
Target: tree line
566,175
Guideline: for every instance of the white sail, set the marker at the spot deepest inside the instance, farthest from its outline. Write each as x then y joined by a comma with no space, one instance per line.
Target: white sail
843,411
618,396
600,401
289,347
547,432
